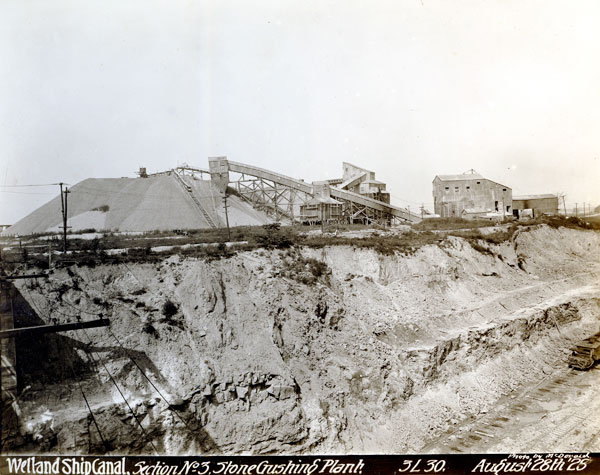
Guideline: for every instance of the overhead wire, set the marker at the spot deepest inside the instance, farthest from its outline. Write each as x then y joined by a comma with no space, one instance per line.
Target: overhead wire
27,192
185,423
112,380
127,352
104,443
24,186
123,396
78,380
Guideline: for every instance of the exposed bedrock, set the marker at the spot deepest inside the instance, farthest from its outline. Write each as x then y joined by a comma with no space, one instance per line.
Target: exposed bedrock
272,352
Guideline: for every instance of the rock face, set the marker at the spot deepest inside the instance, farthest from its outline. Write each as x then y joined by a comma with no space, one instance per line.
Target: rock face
377,354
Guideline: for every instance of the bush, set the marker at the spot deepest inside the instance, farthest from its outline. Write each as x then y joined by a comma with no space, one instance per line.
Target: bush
274,237
150,330
169,309
305,270
317,268
103,208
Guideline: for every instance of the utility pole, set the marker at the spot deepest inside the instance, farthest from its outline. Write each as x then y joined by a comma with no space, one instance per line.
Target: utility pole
576,214
8,383
564,205
422,210
63,202
226,215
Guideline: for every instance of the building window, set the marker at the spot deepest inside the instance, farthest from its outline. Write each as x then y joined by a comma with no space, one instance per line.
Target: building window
479,183
503,189
456,188
446,187
468,187
496,205
508,209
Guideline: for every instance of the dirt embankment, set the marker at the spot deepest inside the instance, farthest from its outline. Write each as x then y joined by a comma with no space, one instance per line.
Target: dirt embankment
274,352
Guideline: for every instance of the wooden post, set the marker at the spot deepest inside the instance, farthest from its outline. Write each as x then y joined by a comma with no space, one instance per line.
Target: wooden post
63,202
226,215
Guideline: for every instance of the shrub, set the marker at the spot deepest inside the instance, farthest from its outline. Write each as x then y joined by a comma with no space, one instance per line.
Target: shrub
150,330
103,208
272,227
305,270
169,309
317,268
275,240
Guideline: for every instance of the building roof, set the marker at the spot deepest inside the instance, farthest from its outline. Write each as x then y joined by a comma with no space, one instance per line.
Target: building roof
460,177
374,182
357,167
534,197
318,200
473,175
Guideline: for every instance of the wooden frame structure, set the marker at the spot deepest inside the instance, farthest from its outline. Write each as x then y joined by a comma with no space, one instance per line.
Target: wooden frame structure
281,196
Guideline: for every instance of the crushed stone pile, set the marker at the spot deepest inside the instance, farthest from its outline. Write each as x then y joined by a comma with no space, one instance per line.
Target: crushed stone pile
139,204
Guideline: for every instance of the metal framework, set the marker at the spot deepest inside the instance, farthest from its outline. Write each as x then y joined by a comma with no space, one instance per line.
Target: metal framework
356,213
275,199
281,196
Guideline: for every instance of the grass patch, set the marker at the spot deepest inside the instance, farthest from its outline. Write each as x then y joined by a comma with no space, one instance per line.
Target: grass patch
448,224
274,236
497,237
405,243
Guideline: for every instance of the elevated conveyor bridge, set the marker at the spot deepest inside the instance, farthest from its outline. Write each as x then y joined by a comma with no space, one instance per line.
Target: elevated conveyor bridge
281,196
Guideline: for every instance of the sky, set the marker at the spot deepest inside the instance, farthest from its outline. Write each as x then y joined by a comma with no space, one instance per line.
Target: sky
407,88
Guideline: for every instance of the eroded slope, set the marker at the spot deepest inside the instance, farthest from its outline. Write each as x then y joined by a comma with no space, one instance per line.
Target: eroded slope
273,352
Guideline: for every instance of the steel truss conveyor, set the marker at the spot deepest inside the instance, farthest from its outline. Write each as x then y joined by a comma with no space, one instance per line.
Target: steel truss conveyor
281,196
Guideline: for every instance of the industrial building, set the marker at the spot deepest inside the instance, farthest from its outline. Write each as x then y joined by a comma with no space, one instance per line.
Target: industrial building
535,205
322,208
362,181
469,195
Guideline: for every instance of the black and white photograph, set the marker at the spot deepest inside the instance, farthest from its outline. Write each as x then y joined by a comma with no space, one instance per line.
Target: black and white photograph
296,237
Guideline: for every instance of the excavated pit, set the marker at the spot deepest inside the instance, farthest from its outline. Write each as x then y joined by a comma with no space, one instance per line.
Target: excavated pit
263,352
